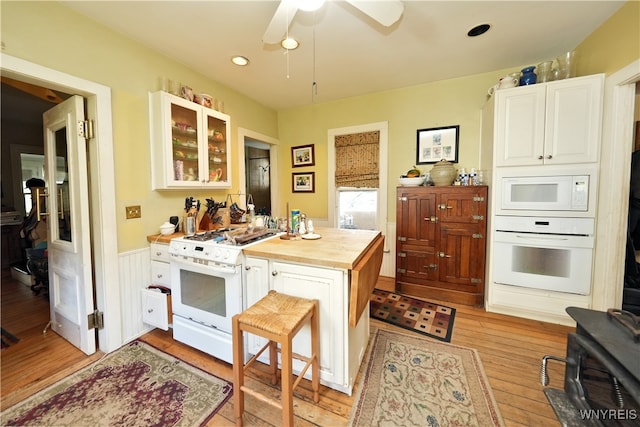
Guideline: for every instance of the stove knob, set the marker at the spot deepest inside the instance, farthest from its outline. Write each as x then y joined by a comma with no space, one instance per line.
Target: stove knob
216,253
225,254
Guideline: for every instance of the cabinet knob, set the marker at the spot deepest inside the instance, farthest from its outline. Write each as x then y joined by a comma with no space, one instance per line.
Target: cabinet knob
432,219
159,276
274,273
247,267
158,253
150,310
443,255
549,156
540,157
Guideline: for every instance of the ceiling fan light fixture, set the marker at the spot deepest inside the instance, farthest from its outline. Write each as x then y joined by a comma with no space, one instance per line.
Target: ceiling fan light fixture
240,60
309,5
289,43
478,30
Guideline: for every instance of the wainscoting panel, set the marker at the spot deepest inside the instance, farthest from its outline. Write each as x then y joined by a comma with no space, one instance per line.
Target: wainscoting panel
135,274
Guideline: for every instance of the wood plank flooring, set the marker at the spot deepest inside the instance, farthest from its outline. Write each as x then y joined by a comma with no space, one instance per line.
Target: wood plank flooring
510,349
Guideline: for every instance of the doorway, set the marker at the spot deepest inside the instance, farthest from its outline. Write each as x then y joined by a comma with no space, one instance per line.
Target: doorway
101,184
258,175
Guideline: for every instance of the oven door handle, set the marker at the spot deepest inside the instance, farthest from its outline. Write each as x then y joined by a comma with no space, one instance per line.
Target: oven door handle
559,239
210,268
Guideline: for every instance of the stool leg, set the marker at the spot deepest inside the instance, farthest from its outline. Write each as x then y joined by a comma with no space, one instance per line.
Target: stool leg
238,370
287,381
315,351
273,362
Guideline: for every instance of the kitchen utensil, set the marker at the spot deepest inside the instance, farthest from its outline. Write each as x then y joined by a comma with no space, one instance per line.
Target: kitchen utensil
411,182
190,226
167,228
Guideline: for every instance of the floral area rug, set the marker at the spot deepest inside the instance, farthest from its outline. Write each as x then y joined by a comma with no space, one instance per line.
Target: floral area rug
431,319
136,385
414,381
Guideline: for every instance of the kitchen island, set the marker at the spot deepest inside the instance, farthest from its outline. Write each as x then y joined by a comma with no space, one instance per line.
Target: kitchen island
340,269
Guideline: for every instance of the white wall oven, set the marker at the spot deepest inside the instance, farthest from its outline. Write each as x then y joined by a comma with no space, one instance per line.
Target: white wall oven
547,253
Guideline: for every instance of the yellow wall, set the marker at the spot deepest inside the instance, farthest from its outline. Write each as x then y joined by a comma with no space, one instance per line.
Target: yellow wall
449,102
51,35
614,45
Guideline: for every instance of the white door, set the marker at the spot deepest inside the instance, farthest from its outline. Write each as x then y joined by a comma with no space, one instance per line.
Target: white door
70,264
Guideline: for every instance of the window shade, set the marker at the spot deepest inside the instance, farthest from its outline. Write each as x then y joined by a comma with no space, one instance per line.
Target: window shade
357,159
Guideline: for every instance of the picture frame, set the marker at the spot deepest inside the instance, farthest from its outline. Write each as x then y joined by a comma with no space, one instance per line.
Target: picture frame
303,155
435,144
303,182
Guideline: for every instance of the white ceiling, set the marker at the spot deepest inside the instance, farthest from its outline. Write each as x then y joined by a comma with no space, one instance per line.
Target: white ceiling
345,52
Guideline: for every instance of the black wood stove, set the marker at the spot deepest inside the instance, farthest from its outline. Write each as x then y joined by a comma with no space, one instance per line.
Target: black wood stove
602,371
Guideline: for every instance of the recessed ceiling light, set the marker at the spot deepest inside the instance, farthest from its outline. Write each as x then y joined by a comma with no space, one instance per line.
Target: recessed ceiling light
478,30
240,60
290,43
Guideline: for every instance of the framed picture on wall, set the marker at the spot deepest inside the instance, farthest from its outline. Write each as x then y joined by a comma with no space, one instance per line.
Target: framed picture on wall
435,144
302,155
304,182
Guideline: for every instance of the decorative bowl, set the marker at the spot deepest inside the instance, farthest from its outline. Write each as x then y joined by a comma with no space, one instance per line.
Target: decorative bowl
167,228
411,182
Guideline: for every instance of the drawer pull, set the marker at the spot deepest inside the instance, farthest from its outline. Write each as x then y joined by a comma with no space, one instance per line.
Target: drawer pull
158,253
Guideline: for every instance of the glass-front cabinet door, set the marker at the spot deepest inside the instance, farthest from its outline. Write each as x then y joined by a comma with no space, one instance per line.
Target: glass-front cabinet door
217,148
189,144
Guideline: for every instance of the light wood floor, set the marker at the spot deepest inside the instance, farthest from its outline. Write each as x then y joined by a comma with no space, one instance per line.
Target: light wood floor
510,349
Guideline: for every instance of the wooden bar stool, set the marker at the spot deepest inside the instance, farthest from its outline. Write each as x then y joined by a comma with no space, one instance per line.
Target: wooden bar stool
278,318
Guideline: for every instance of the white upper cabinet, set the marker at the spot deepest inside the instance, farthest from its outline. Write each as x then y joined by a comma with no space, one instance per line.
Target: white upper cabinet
549,123
189,144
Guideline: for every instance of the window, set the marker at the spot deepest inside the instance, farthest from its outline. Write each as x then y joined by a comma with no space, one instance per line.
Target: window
357,177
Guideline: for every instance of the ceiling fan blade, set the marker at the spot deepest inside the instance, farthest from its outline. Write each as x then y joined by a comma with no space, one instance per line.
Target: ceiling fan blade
386,12
280,22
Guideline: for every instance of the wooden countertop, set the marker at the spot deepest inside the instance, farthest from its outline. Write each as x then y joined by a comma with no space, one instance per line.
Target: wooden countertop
159,238
337,248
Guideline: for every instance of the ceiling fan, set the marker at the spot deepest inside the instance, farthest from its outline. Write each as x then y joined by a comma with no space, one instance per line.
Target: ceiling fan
385,12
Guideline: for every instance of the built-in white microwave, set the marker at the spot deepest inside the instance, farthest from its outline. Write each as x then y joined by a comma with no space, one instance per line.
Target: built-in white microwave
552,194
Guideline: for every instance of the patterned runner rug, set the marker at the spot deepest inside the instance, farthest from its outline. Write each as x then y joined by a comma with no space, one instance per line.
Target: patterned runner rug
431,319
136,385
409,380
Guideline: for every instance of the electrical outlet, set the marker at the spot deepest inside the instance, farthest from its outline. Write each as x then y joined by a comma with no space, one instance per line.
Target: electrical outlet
133,212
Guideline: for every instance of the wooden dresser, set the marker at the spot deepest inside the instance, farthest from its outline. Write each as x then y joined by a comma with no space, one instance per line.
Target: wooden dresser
441,242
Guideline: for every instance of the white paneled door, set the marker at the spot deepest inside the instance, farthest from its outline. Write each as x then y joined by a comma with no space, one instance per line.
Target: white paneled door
67,216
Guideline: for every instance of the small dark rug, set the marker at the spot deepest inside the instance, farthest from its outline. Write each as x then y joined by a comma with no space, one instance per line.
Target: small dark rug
433,320
8,338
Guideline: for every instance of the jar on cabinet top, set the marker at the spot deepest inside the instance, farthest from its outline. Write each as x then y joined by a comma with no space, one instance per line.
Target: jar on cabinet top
528,76
442,173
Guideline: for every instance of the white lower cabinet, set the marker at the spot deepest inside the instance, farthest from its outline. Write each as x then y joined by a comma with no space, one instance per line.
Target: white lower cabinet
341,348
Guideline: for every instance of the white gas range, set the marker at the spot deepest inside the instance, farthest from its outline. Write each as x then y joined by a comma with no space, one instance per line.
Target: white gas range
207,288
